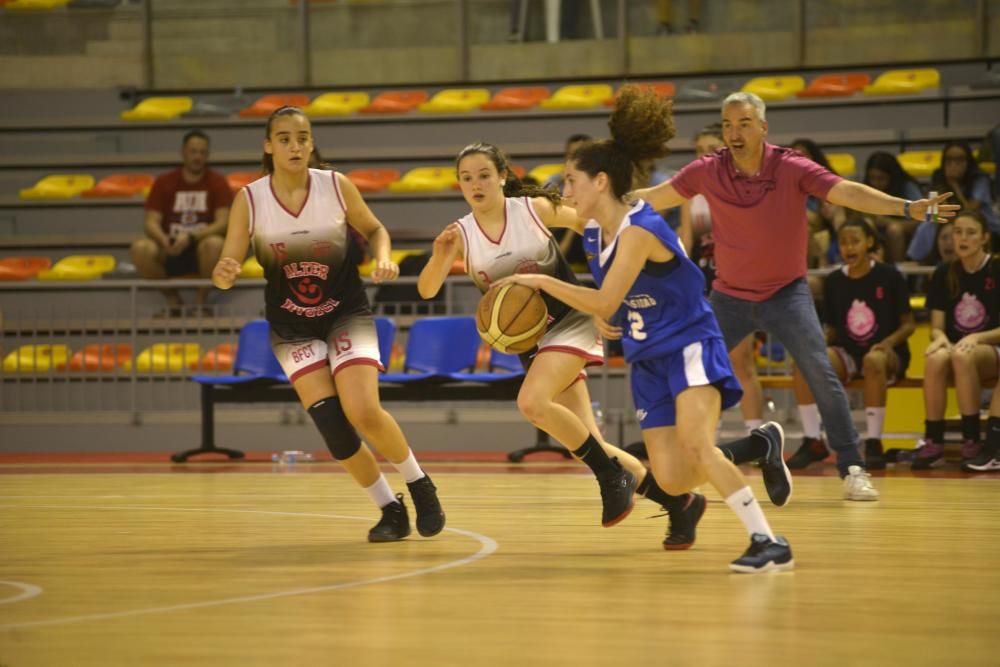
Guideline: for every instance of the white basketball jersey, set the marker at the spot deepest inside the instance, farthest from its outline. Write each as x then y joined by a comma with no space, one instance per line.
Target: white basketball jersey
525,246
304,254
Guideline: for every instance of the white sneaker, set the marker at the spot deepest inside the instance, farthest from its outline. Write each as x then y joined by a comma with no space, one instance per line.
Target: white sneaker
858,485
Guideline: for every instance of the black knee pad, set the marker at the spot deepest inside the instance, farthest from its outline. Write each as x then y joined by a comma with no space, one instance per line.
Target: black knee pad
340,437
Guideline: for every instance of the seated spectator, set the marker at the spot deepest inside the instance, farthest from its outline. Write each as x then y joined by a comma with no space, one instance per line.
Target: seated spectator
964,302
883,172
867,320
824,218
988,459
186,214
960,174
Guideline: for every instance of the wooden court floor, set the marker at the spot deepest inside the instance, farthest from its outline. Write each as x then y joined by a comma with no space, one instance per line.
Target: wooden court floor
139,565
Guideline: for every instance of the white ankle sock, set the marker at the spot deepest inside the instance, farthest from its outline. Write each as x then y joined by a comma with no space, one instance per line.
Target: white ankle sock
875,420
409,468
749,512
809,414
751,424
380,492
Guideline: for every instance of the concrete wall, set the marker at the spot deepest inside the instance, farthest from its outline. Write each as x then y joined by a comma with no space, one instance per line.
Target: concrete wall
221,43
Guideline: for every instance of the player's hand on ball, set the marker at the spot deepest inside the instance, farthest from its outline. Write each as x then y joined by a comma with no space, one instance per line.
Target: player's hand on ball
532,280
226,272
385,270
606,329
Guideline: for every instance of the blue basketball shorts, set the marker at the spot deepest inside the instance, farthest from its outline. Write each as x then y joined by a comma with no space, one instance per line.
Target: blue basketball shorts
656,383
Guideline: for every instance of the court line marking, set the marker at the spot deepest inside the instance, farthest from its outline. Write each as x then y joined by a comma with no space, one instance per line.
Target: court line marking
27,591
487,547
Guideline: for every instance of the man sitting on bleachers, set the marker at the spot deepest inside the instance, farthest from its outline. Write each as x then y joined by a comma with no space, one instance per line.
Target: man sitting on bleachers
186,214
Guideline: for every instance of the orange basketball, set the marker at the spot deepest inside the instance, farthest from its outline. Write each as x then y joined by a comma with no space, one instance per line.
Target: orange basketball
512,318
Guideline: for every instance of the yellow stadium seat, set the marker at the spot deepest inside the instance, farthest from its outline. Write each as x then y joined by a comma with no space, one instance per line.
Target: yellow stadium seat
774,88
337,104
904,82
579,97
396,256
918,301
58,186
843,164
456,100
544,172
159,108
252,268
36,359
79,267
425,179
35,5
988,167
920,164
169,357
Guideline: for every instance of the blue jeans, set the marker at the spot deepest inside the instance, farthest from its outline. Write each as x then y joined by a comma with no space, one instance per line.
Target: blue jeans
790,316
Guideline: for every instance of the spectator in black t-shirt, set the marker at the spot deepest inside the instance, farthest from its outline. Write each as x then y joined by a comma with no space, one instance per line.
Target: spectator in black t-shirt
867,320
964,302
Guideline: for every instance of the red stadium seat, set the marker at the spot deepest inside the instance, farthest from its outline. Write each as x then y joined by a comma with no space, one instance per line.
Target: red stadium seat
268,104
396,101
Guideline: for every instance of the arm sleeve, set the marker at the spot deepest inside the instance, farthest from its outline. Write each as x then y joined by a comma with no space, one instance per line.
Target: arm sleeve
222,195
902,291
687,182
814,179
155,201
937,297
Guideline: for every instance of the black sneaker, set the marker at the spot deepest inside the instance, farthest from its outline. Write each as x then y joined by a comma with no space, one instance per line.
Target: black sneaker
777,478
430,516
394,525
811,450
764,555
874,456
988,460
680,534
617,493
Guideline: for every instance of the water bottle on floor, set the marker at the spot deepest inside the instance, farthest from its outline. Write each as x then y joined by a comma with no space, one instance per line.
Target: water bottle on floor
291,456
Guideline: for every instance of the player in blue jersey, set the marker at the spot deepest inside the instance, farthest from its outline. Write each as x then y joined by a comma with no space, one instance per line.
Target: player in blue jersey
681,375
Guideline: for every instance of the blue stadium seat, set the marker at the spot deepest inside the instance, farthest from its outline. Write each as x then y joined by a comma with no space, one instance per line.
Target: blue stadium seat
386,330
503,368
254,358
437,347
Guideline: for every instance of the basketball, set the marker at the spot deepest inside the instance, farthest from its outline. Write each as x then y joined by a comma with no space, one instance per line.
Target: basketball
512,318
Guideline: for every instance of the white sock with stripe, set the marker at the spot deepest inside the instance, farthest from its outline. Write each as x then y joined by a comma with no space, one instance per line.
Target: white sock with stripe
749,512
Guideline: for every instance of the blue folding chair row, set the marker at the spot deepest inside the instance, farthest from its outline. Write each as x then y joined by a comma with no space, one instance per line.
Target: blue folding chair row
439,350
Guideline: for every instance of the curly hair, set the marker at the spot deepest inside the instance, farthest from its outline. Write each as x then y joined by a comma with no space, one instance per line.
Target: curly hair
641,124
513,187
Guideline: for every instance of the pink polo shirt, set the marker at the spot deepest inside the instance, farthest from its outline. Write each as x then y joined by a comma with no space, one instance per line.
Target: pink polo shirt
758,222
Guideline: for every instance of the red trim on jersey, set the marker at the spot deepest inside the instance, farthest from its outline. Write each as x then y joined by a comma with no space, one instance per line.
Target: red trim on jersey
534,216
502,232
465,252
340,197
253,209
592,360
359,361
270,184
308,369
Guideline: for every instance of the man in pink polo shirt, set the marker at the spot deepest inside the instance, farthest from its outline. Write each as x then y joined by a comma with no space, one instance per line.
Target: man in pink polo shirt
757,193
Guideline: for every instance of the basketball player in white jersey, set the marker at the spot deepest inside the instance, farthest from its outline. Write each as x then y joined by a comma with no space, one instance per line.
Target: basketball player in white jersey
507,232
322,331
